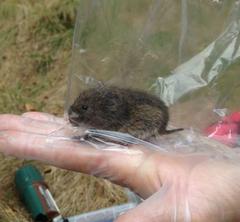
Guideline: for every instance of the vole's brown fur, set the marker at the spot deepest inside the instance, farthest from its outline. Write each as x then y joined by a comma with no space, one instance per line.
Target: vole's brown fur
129,111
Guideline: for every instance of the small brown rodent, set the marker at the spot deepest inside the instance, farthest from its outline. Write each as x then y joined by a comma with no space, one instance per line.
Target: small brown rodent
125,110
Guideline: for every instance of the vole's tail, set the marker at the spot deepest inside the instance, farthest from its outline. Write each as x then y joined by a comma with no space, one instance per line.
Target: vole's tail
173,130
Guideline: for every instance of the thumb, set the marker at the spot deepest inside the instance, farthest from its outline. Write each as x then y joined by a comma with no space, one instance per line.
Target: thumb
160,207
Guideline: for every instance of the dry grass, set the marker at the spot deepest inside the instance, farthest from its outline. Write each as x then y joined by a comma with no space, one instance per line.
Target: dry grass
35,52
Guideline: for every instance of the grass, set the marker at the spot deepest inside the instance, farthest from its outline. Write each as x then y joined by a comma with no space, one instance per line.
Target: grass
36,38
35,53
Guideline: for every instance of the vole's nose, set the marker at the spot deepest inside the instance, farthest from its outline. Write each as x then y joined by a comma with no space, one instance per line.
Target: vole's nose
71,113
72,116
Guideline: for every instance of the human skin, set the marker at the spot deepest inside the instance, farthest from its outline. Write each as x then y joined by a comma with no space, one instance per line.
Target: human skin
175,187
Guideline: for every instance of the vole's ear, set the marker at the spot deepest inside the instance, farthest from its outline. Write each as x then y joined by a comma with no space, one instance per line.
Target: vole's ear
112,101
111,106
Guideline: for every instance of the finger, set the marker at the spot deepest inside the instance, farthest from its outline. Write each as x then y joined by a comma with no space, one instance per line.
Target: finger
115,165
19,123
44,117
30,138
158,207
169,203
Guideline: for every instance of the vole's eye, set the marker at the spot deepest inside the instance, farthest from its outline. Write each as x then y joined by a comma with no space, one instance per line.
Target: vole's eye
84,107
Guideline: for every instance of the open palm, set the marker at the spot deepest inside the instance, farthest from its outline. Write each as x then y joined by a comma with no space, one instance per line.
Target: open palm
175,187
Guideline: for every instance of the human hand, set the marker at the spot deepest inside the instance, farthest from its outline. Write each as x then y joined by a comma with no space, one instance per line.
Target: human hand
176,187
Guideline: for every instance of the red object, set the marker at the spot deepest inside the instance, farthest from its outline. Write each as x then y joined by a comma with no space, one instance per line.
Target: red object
226,130
234,117
230,140
222,129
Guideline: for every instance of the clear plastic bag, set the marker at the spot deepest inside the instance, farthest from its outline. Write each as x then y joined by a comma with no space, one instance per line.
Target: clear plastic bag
184,52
